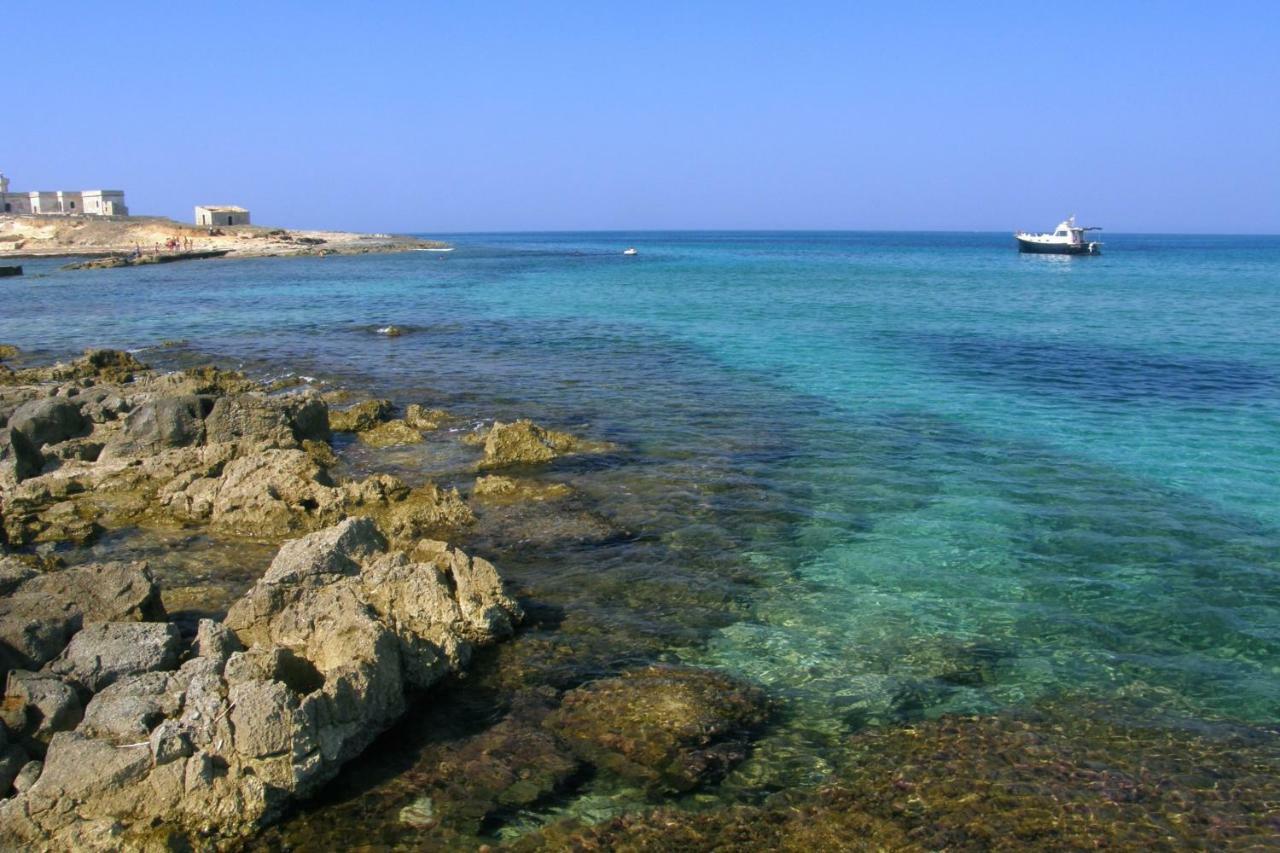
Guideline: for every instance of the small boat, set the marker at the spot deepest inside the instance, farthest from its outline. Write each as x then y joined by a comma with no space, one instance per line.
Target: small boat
1066,239
630,251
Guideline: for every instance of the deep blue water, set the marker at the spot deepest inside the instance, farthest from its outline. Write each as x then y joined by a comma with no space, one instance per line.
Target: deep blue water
968,477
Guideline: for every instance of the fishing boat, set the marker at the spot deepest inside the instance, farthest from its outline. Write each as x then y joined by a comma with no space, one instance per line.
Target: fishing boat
630,251
1066,239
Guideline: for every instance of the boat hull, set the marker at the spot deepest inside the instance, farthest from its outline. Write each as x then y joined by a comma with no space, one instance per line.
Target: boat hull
1034,248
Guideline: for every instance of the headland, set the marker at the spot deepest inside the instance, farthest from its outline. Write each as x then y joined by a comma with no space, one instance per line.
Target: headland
121,241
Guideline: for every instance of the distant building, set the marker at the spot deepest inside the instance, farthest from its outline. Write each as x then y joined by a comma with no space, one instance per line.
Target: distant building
211,214
62,202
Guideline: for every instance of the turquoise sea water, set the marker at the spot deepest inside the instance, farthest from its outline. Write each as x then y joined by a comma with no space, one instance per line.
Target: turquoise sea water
960,478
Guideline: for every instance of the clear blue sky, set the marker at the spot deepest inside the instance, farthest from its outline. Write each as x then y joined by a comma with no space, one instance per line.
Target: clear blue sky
441,117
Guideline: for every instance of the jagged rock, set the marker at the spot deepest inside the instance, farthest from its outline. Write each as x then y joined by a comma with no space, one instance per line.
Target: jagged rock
670,728
269,421
158,425
282,492
36,706
360,417
212,752
41,614
20,458
104,652
391,433
49,421
8,351
524,443
101,404
130,708
215,641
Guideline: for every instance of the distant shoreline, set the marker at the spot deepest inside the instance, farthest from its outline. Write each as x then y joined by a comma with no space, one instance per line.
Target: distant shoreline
33,237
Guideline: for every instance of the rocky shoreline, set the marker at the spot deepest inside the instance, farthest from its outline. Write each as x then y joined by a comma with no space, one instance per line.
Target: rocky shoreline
118,729
140,240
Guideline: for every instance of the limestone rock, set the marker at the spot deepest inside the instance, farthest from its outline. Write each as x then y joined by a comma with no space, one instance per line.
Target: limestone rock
670,728
12,759
13,572
27,776
270,421
8,351
40,615
20,459
360,417
130,708
104,652
391,433
49,421
159,425
36,706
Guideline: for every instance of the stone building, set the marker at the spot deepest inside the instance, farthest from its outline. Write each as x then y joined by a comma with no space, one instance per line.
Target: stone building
225,214
62,202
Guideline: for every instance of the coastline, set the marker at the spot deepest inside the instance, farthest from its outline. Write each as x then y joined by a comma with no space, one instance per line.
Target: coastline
25,236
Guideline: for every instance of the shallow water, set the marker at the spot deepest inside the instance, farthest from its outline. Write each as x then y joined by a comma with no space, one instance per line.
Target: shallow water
887,476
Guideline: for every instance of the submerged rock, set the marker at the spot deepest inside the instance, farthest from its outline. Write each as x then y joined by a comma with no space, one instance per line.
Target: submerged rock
669,728
499,489
335,635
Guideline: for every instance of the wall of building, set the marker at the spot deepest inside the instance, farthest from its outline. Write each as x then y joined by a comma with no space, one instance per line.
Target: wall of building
214,217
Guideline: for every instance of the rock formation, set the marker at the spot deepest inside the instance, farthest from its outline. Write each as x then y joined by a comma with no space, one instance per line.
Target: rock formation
311,664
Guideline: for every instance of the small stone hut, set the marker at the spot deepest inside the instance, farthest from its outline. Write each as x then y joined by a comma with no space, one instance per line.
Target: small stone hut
222,214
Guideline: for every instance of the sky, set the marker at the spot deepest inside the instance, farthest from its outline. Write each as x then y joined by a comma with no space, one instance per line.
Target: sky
487,116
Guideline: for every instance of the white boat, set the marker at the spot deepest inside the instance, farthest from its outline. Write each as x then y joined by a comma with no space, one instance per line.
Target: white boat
1066,239
630,251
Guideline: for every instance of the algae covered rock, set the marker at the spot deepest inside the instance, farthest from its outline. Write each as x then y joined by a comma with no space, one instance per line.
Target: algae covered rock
424,419
499,489
391,433
360,417
525,443
670,728
8,351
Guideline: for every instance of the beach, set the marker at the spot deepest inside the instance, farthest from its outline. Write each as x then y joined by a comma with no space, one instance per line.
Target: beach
843,539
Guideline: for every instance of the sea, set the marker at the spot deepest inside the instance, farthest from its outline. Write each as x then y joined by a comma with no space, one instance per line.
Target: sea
888,477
